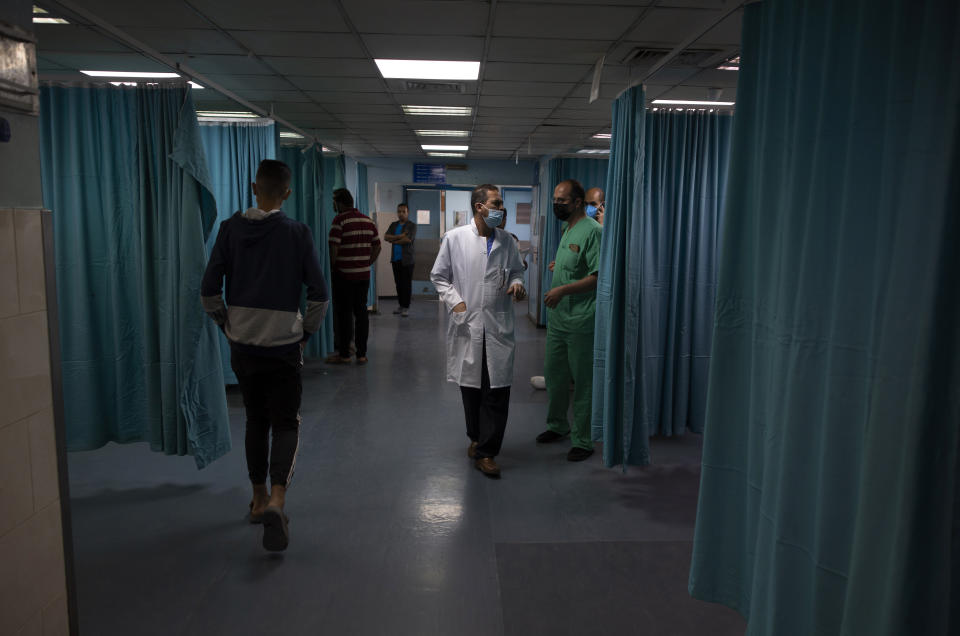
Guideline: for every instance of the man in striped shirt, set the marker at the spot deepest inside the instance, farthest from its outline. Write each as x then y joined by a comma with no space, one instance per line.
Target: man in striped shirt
354,247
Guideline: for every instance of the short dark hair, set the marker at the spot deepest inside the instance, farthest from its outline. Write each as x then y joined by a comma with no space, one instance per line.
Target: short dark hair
343,197
273,178
480,195
576,190
403,205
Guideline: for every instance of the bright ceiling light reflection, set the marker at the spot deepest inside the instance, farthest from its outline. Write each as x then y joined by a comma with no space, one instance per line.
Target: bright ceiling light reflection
192,84
446,154
450,111
129,74
49,21
428,69
691,102
594,151
444,147
602,136
443,133
290,135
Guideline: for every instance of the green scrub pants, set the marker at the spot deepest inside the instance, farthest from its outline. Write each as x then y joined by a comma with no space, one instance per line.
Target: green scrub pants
569,357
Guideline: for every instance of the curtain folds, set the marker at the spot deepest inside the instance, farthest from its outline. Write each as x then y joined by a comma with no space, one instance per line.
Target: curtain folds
829,499
124,173
658,275
311,204
233,152
618,288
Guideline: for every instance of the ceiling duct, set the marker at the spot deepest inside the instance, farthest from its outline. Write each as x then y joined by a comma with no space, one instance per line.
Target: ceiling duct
426,86
644,56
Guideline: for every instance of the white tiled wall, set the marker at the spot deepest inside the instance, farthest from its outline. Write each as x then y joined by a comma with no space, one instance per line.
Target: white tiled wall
33,584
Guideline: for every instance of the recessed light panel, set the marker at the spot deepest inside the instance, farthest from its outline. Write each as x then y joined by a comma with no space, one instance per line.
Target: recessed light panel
129,74
443,133
448,111
290,135
445,148
446,154
594,151
602,136
691,102
428,69
48,20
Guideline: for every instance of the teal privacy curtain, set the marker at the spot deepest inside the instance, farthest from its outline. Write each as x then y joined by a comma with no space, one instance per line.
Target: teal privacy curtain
124,173
591,173
665,265
829,498
616,338
234,150
363,206
311,202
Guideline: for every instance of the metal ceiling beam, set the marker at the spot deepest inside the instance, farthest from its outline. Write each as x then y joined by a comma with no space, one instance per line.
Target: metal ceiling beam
623,36
491,15
99,24
696,35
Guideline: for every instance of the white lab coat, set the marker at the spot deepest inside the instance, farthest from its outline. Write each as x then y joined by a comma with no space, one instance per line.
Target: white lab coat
463,272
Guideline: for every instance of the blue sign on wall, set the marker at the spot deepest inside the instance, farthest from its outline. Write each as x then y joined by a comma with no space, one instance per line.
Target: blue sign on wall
429,173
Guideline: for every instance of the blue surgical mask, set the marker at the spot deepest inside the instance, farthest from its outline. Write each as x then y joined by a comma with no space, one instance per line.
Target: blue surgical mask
592,211
494,219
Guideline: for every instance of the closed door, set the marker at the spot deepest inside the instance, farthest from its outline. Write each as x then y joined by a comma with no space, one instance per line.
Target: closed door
424,206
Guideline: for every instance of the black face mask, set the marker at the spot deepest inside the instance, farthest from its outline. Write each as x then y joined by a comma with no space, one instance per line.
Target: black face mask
561,211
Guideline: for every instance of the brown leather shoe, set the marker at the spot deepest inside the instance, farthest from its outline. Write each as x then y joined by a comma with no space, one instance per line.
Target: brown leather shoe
472,451
487,466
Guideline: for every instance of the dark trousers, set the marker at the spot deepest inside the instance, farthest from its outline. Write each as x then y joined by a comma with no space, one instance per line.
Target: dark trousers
271,394
486,412
349,307
403,277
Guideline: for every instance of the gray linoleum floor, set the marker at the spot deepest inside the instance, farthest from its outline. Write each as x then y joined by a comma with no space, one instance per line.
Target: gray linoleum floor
392,529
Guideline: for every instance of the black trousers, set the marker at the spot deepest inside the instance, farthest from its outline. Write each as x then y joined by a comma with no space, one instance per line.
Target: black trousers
486,412
349,308
271,394
403,277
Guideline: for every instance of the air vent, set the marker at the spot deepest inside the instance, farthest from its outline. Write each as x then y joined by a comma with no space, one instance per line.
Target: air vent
642,55
426,86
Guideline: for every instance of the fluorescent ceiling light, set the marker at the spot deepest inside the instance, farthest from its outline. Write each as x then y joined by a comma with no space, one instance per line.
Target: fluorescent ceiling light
446,154
733,64
49,21
129,74
445,148
192,84
691,102
602,136
226,114
594,151
325,149
443,133
290,135
37,9
450,111
428,69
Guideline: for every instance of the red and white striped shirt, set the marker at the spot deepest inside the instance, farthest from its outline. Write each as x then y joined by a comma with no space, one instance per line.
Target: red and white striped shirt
356,235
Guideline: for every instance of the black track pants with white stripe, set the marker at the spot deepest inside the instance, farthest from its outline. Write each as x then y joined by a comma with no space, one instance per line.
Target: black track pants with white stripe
271,390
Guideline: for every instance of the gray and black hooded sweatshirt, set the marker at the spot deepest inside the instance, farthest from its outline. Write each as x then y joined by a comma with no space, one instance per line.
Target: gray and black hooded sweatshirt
267,258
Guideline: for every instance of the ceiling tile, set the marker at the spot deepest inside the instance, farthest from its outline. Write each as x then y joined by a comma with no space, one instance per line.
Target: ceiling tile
540,89
73,37
418,47
419,17
191,41
323,67
300,44
538,50
224,64
516,101
359,84
123,13
535,72
288,15
584,21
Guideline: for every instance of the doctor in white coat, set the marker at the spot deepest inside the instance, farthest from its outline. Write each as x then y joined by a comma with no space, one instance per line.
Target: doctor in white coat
477,272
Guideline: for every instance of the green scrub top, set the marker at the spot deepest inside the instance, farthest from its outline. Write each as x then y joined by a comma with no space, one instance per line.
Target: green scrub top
577,257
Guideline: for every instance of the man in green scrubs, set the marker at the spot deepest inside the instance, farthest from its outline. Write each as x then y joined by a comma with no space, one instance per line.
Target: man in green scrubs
571,303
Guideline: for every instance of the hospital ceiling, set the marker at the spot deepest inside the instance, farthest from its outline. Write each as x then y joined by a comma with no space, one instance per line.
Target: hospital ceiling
310,62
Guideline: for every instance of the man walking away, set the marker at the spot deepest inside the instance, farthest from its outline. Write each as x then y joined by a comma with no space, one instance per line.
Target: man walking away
267,258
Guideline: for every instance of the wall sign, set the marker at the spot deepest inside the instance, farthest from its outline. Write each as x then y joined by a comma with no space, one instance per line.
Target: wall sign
429,173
